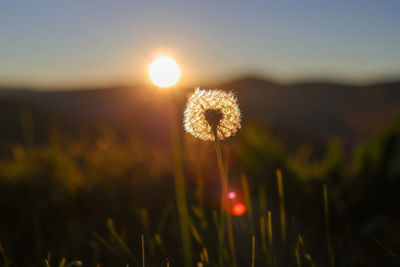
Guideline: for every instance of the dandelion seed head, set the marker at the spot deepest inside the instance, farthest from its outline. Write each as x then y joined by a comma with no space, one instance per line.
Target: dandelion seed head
210,112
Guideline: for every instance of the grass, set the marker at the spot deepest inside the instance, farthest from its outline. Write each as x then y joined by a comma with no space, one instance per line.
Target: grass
253,250
286,216
6,261
247,201
327,227
119,246
266,233
143,254
180,191
281,204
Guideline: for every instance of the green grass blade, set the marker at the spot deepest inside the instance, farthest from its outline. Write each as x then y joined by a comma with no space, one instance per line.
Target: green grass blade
282,204
247,199
327,227
253,250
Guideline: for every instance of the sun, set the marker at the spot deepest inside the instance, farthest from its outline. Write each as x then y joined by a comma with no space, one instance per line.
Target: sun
164,72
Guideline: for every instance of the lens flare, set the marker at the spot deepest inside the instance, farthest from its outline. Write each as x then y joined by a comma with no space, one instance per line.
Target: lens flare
232,195
239,209
164,72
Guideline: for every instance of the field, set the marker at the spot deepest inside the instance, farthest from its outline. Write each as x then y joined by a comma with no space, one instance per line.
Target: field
89,177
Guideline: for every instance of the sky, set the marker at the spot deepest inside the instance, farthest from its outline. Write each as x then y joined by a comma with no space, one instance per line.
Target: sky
96,42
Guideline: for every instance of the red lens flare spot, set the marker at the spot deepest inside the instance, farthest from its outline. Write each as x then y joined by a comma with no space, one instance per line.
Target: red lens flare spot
231,195
239,209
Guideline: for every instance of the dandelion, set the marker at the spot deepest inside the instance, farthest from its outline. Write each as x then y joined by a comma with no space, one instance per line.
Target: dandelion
214,115
211,113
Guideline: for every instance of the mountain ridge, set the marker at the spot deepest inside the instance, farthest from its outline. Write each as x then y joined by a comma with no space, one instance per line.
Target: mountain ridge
315,109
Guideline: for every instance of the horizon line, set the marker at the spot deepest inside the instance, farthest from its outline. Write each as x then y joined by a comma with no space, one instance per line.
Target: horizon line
31,86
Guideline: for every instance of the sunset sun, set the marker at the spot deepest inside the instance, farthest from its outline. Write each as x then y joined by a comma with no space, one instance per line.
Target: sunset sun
164,72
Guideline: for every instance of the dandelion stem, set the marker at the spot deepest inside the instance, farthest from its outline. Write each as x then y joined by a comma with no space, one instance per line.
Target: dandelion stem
225,204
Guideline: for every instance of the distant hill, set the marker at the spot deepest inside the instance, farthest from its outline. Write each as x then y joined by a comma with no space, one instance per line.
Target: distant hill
314,109
320,109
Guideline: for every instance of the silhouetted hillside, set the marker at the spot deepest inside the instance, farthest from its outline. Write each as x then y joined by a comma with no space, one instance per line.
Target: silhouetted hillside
319,110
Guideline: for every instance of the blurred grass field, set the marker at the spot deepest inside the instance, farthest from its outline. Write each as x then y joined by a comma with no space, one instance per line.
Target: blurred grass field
90,193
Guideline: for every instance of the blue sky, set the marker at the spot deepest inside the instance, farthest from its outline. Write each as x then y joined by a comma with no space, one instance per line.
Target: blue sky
73,42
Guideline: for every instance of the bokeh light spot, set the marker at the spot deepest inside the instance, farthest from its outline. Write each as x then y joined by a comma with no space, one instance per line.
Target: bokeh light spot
239,209
232,195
